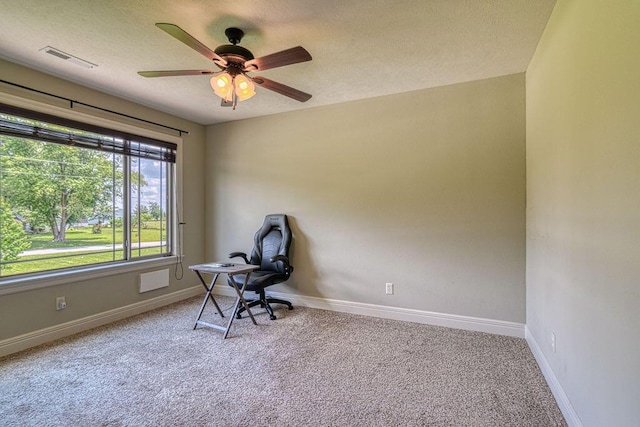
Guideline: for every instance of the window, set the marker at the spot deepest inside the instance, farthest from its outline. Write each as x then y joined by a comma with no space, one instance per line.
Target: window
75,195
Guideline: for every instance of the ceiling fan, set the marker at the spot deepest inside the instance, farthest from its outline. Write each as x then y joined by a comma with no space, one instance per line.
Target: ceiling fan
231,82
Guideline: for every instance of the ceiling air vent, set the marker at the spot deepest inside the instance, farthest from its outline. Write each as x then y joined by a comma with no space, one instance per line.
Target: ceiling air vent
65,56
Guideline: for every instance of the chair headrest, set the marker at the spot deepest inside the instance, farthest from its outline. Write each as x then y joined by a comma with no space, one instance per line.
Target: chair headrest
278,221
271,222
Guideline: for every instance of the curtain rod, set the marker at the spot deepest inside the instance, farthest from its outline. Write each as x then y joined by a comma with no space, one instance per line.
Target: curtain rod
72,102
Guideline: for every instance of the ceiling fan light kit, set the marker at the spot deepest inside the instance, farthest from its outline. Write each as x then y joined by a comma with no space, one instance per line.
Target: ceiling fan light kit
229,87
244,87
231,82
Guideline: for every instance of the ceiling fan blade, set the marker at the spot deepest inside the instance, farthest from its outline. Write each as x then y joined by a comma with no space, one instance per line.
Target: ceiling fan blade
281,89
176,73
192,42
279,59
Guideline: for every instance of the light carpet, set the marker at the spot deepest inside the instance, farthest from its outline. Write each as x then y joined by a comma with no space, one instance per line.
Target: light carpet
307,368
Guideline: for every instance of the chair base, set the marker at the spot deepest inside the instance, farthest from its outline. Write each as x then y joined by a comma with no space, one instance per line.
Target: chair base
264,302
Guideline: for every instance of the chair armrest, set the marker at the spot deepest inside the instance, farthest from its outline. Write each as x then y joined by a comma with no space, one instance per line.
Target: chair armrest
238,255
284,260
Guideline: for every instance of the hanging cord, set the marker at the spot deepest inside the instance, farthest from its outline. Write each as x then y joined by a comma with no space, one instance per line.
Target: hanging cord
179,271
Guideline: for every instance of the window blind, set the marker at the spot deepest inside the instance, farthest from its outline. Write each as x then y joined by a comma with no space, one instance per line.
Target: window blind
23,123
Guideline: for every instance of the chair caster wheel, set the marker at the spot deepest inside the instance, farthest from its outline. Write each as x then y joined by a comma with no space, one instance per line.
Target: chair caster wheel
291,307
272,317
238,316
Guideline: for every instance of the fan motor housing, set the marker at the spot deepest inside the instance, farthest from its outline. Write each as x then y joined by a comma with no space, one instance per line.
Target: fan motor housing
234,53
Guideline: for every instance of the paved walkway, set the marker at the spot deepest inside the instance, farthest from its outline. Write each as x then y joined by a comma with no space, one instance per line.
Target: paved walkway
86,248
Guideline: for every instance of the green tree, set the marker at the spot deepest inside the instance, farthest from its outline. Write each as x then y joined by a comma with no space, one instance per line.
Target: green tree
140,216
155,211
56,184
13,239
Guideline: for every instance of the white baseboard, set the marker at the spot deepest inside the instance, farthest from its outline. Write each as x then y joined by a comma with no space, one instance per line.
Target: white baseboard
562,399
491,326
31,339
42,336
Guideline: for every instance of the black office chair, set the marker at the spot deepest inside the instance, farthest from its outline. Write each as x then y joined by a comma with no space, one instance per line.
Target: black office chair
271,252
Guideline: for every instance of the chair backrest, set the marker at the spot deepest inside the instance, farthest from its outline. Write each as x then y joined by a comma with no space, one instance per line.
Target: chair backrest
273,238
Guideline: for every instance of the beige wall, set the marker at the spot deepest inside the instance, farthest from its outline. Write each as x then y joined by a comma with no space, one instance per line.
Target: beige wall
583,205
25,312
425,190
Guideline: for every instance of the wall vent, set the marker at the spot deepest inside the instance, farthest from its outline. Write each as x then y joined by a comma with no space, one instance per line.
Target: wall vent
154,280
66,57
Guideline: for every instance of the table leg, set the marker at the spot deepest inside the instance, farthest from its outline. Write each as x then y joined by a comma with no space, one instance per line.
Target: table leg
244,302
240,299
207,296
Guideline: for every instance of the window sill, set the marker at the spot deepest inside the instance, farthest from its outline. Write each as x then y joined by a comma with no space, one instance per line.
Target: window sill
30,283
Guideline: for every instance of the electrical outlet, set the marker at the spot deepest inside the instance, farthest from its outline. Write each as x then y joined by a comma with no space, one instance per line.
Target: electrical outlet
389,288
553,342
61,303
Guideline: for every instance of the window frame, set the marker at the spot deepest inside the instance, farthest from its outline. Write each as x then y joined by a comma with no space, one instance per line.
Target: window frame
36,280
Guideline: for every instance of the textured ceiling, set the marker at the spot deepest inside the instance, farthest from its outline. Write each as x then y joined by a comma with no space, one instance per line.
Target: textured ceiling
360,48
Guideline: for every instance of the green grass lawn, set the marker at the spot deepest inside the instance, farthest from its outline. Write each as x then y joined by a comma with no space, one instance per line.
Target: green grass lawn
81,237
33,263
84,236
37,262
